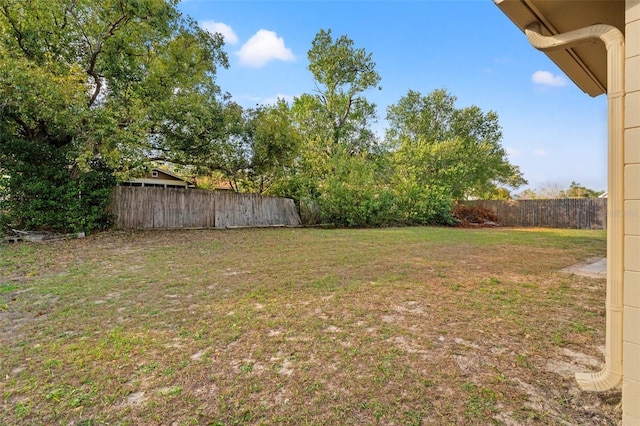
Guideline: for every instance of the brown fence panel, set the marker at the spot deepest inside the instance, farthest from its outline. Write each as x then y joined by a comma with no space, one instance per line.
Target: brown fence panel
235,209
579,213
161,208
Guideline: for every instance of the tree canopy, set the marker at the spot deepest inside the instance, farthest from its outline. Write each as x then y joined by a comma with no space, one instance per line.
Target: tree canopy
335,170
456,149
111,83
342,73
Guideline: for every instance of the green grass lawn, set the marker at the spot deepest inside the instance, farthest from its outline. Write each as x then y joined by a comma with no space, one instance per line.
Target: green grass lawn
302,326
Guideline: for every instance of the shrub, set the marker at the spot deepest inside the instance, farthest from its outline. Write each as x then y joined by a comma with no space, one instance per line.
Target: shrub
422,205
44,191
352,196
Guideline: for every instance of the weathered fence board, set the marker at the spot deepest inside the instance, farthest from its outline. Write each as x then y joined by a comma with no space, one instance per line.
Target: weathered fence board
159,208
580,213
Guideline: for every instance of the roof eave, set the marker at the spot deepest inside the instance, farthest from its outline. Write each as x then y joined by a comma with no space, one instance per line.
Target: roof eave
524,12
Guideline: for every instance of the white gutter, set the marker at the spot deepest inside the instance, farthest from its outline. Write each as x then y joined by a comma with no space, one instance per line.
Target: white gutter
611,375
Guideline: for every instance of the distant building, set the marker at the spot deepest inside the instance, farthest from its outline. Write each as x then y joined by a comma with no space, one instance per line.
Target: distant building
160,179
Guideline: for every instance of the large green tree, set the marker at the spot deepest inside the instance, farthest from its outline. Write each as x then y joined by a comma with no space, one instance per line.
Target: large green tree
90,86
335,171
342,73
457,150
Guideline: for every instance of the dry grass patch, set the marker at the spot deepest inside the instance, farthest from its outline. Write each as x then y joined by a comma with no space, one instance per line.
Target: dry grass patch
295,326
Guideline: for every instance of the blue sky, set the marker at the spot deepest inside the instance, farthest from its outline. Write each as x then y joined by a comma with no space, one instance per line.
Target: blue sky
551,129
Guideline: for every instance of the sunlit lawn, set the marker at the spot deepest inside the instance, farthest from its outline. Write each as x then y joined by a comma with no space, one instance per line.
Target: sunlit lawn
302,326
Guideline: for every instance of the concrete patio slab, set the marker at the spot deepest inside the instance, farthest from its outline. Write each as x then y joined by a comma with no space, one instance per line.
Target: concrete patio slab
593,268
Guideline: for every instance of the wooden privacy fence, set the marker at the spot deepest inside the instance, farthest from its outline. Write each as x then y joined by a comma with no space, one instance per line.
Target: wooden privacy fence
580,213
160,208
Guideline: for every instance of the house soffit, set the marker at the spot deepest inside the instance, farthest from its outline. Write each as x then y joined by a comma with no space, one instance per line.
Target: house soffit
586,64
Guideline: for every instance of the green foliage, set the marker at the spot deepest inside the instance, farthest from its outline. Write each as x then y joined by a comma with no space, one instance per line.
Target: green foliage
110,81
271,146
455,149
45,192
434,152
576,190
352,196
344,171
498,194
336,170
340,67
342,73
422,205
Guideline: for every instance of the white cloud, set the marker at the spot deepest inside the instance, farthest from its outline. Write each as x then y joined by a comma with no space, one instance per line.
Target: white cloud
512,152
218,27
274,99
264,46
545,78
261,100
540,152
